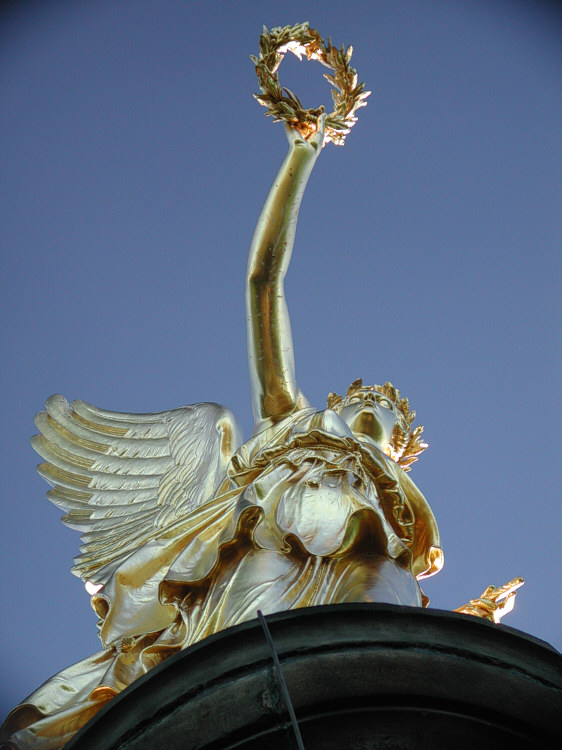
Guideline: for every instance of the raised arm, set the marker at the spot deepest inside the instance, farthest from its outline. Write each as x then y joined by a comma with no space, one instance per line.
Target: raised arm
275,393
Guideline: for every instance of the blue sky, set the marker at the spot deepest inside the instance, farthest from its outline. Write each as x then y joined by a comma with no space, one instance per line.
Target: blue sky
134,165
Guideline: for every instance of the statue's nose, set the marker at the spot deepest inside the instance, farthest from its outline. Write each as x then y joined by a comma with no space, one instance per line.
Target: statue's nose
333,480
338,478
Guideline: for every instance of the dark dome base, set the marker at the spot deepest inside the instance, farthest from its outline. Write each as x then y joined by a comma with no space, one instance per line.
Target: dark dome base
360,677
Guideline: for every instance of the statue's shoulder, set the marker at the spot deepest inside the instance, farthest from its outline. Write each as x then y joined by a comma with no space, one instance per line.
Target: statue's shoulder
300,422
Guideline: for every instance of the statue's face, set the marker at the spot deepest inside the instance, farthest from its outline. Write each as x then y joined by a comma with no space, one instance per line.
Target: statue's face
370,414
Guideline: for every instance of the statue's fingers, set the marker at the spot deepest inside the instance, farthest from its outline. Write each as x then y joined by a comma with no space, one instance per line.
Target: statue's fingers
292,134
319,135
505,606
490,593
510,586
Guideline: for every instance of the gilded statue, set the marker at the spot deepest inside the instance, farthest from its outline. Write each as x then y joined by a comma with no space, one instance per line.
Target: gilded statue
187,529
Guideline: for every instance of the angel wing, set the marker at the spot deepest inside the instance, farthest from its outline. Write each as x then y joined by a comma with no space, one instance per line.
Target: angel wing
122,478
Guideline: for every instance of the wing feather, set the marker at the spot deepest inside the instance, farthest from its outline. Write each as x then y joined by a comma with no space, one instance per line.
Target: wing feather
121,478
84,442
101,497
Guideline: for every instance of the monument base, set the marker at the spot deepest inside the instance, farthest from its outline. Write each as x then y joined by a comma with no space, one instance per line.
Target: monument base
359,676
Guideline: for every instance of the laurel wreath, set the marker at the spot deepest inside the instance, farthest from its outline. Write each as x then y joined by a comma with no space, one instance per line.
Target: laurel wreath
283,105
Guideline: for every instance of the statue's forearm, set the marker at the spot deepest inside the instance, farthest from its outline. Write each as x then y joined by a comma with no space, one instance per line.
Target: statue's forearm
270,346
273,239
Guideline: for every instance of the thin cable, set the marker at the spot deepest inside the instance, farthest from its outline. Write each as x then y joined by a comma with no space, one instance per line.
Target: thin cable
282,683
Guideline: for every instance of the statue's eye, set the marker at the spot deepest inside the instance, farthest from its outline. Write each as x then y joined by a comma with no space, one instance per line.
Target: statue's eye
385,403
313,482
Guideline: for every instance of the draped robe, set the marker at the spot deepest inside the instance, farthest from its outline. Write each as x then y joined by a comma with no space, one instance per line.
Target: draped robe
306,515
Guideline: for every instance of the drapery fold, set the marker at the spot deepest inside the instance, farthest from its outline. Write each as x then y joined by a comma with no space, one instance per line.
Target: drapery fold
306,515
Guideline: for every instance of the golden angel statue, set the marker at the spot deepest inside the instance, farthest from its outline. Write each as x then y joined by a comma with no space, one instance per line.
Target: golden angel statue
187,529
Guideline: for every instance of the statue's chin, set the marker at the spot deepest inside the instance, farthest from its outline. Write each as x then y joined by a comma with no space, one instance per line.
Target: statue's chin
368,427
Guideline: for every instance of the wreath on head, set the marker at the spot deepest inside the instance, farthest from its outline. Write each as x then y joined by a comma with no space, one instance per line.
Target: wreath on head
282,104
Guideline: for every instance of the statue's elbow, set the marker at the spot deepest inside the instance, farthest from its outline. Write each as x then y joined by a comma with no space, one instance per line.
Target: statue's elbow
262,278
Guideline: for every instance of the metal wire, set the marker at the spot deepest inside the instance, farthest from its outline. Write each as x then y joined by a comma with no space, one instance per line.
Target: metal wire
282,683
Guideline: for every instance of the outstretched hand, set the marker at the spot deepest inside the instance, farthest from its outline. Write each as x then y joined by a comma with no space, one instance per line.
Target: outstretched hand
494,603
314,142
